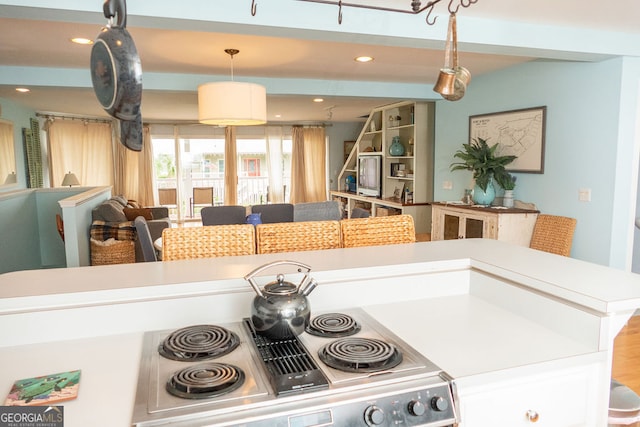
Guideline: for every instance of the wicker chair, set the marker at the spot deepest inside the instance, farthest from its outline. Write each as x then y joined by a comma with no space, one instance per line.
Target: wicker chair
553,234
297,236
208,242
380,230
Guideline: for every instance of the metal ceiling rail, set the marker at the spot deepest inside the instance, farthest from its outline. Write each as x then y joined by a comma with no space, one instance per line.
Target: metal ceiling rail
416,7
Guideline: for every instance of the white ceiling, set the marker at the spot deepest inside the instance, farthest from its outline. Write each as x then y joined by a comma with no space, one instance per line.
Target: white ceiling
296,49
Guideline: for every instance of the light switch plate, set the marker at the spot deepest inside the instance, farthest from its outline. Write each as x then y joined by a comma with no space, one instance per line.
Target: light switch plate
584,194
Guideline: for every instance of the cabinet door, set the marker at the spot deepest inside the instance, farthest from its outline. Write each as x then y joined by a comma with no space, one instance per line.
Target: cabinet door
451,224
473,228
565,400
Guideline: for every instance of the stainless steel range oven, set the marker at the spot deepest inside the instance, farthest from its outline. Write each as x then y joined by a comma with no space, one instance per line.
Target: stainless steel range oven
346,369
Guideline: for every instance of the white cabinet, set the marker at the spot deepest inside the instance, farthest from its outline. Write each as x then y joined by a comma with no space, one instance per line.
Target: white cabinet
451,221
562,398
382,207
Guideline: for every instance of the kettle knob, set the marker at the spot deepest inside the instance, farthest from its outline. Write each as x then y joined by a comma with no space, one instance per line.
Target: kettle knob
280,278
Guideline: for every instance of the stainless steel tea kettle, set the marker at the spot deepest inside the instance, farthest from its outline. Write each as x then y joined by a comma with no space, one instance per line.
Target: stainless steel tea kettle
281,309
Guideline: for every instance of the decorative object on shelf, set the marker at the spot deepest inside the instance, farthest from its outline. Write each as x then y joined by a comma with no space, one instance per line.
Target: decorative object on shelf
232,103
416,7
508,182
529,124
453,79
394,121
70,179
484,196
485,165
372,126
396,148
410,143
466,199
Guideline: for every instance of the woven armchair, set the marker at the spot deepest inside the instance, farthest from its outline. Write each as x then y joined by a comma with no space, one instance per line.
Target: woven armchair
297,236
380,230
208,241
553,234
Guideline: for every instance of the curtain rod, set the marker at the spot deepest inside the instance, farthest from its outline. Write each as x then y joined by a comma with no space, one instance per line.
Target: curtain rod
67,117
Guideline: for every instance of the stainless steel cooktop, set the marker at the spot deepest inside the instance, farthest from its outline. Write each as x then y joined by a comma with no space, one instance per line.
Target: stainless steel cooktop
345,397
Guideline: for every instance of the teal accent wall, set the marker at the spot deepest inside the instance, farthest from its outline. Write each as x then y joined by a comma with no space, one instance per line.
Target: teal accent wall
590,142
20,248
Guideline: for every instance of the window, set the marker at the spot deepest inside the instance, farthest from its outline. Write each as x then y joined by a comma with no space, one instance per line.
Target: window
195,159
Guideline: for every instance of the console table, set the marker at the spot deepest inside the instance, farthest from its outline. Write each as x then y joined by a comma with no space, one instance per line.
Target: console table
419,211
459,221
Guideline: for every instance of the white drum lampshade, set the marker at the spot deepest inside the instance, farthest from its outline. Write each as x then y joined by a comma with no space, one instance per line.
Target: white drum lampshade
232,104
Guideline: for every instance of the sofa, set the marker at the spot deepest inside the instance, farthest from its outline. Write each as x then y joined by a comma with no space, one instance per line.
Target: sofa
113,219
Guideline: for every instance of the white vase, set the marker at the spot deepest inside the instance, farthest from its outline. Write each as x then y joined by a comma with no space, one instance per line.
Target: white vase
507,199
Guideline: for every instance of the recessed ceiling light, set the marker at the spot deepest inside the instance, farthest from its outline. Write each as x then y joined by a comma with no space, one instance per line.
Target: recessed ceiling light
363,59
81,40
318,100
23,89
278,116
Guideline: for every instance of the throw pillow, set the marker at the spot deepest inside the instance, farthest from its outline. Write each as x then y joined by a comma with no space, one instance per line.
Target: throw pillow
120,199
132,204
110,211
133,213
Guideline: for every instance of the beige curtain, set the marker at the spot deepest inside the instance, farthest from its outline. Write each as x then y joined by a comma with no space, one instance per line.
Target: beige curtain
308,165
134,171
230,167
274,164
81,147
7,156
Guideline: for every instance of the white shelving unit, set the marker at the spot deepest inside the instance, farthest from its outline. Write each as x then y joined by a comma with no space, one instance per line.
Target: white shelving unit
413,123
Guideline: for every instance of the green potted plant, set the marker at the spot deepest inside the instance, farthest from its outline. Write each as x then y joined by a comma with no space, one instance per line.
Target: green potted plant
481,159
508,183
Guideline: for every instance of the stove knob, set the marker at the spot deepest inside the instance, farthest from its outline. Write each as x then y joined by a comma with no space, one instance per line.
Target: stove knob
416,408
439,404
374,416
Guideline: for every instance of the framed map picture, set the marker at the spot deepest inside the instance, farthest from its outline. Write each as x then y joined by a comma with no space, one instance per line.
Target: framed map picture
519,133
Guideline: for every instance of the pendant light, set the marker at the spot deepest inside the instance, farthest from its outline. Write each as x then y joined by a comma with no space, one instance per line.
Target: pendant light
232,103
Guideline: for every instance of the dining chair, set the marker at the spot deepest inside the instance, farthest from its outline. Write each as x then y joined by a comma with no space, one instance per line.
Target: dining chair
553,234
223,215
144,239
275,212
297,236
202,196
167,197
379,230
208,241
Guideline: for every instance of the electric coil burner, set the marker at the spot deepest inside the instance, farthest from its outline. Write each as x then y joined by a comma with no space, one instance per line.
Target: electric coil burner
333,325
199,342
360,355
205,381
347,369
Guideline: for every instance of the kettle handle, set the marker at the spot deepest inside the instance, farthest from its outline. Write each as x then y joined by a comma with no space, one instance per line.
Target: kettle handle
254,285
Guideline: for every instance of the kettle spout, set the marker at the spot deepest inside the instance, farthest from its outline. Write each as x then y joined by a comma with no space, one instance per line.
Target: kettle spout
308,289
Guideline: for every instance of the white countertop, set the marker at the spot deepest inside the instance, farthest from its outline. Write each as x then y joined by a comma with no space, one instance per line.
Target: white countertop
92,318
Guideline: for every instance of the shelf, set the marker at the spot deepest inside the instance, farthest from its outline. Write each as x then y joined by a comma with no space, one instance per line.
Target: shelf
399,157
400,127
401,178
370,153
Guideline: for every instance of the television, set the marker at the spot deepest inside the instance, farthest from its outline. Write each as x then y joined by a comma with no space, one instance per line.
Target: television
369,175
